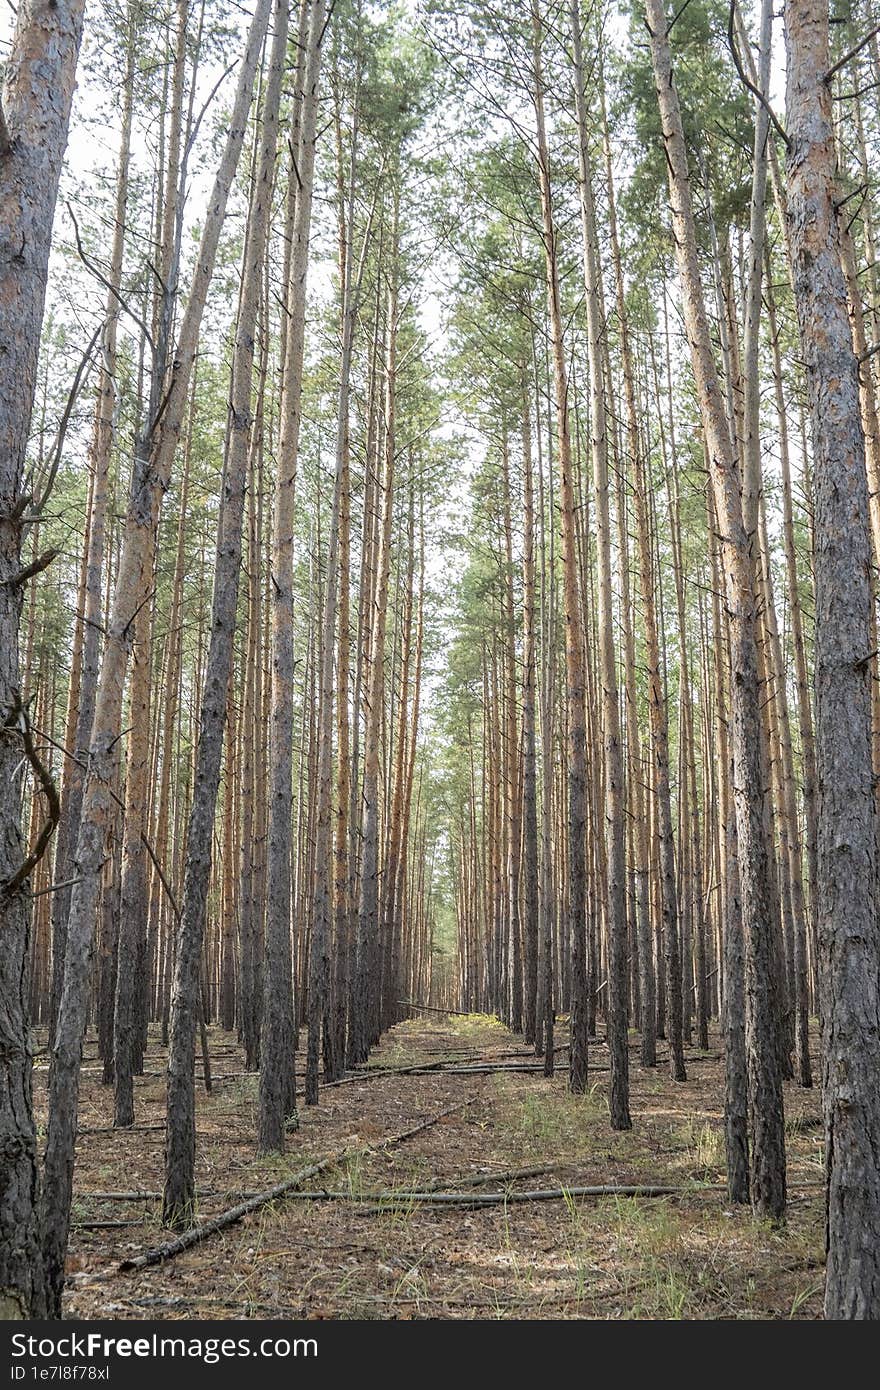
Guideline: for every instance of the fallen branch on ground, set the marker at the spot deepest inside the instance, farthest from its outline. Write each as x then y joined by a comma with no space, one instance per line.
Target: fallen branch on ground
119,1129
147,1196
432,1009
104,1225
448,1069
196,1234
386,1201
480,1179
414,1068
505,1068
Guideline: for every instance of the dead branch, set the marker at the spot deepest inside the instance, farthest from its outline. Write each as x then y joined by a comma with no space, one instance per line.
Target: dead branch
853,52
57,448
196,1234
474,1200
514,1068
755,91
119,1129
37,566
107,284
453,1068
19,720
430,1009
103,1225
416,1068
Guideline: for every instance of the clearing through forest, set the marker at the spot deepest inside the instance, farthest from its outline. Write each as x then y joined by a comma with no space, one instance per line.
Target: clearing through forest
379,1234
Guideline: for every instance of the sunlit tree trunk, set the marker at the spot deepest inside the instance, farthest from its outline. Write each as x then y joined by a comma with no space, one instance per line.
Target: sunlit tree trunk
574,629
36,97
615,805
151,473
847,921
277,1097
765,1086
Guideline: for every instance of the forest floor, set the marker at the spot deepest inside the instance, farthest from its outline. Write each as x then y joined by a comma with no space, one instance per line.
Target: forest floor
686,1254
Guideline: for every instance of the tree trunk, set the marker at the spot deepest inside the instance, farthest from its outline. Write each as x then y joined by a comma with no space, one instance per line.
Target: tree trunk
277,1089
615,809
366,1020
150,479
765,1089
848,938
179,1195
647,983
574,629
530,788
36,96
331,875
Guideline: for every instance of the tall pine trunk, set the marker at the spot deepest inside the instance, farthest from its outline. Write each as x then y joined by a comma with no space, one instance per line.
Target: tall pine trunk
765,1082
151,473
849,946
576,907
36,97
179,1195
615,807
277,1094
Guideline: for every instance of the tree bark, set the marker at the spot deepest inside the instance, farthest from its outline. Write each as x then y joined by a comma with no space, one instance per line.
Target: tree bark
574,628
614,809
647,982
149,481
277,1088
179,1196
849,945
366,1016
36,96
765,1088
530,786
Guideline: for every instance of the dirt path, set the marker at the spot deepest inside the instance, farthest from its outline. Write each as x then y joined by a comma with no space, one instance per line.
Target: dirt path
684,1256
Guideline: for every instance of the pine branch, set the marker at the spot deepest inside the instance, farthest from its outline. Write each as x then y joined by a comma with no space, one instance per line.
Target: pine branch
853,53
755,91
37,566
19,721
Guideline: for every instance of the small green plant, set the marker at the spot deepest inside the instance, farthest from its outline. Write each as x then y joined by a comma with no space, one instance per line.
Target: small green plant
559,1123
411,1286
672,1296
801,1297
709,1147
703,1145
353,1177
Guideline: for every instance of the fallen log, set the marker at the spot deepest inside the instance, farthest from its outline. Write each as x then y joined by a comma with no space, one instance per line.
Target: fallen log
103,1225
414,1068
120,1129
480,1179
432,1009
450,1069
196,1234
386,1201
372,1203
526,1052
120,1196
147,1196
474,1200
486,1068
326,1194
